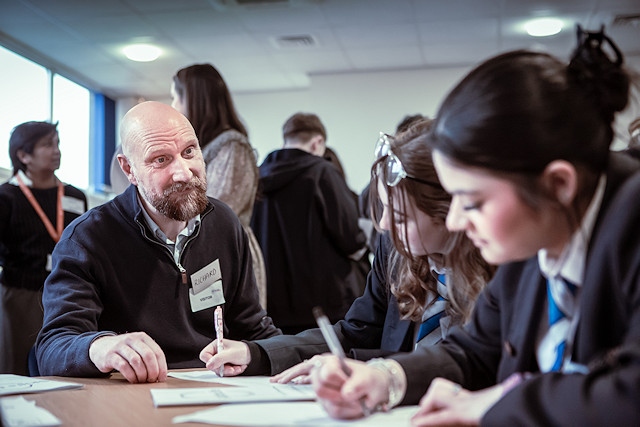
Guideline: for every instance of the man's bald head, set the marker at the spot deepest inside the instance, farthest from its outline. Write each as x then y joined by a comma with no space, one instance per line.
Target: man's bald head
143,118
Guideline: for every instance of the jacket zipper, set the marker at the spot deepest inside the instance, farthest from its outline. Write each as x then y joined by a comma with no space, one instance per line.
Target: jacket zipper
181,269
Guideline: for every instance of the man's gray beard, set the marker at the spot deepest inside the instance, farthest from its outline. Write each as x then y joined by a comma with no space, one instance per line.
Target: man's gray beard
175,204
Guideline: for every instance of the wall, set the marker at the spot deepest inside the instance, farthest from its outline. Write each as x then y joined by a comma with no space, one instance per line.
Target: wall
353,107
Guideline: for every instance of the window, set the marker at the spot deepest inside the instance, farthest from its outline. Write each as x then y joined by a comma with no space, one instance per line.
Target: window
71,109
31,92
24,89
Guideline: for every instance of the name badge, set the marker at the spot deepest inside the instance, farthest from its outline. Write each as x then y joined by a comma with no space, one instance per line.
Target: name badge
210,297
206,276
73,205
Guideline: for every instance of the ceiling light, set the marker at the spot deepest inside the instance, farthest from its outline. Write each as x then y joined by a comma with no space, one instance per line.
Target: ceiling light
142,52
542,27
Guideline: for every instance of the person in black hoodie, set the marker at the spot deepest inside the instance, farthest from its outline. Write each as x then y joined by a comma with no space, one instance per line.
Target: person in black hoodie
306,222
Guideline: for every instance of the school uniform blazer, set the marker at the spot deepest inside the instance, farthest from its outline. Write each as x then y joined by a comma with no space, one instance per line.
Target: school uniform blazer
501,337
371,328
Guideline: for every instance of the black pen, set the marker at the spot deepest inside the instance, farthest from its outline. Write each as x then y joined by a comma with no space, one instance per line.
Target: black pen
336,348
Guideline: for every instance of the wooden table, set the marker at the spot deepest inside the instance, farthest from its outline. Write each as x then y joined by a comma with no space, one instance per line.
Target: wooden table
114,402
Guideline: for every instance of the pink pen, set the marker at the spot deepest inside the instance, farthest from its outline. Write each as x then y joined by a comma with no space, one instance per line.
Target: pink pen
218,322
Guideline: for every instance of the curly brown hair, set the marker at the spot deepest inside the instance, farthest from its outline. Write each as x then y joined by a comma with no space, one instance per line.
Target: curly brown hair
409,276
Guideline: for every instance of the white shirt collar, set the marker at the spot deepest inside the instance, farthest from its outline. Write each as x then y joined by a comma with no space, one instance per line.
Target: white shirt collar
571,264
157,231
442,287
23,176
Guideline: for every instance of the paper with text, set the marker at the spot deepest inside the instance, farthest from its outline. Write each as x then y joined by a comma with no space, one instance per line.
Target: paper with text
291,414
18,384
19,412
212,377
212,395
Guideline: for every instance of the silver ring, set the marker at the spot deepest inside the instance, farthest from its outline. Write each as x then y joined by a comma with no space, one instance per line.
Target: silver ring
456,389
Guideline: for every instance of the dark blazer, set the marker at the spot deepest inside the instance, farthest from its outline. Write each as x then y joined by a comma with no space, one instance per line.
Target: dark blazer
501,337
371,328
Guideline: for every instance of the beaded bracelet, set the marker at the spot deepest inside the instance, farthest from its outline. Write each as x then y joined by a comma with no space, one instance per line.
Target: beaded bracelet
397,379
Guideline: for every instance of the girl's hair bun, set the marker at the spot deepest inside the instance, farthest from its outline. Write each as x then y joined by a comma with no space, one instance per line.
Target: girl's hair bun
596,67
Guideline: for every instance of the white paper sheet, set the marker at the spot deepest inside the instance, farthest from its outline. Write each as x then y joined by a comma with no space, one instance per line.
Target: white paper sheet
290,414
18,384
212,377
19,412
211,395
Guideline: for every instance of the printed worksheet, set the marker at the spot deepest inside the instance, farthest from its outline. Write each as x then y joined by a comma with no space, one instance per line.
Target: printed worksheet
212,377
18,384
291,414
268,392
19,412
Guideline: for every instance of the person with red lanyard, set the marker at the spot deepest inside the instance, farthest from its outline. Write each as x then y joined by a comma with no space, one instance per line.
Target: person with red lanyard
35,206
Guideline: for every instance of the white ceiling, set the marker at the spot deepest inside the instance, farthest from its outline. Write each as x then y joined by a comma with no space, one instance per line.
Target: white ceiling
82,39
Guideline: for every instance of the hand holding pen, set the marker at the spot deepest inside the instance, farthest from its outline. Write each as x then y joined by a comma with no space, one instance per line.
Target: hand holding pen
234,358
336,348
348,397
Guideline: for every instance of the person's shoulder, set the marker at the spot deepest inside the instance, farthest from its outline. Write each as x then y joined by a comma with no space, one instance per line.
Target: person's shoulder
624,200
328,172
70,190
97,221
320,164
8,192
228,137
7,188
509,277
228,141
220,219
623,161
621,169
219,210
234,135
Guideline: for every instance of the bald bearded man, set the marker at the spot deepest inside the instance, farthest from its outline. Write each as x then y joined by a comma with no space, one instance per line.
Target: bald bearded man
135,281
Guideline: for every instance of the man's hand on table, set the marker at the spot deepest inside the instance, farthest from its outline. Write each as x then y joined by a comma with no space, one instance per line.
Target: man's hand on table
135,355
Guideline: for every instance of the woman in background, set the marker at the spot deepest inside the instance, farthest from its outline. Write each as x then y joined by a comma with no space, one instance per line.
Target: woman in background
200,93
34,209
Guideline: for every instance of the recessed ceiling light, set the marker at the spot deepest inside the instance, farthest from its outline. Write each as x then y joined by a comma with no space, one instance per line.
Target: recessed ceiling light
542,27
142,52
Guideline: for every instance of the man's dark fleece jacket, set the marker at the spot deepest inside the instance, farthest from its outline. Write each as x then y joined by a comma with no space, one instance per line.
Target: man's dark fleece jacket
111,275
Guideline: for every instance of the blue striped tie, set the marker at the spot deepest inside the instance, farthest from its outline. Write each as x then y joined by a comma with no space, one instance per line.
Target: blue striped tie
561,303
433,322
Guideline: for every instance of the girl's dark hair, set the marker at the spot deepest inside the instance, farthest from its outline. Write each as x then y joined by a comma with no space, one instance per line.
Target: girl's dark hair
519,111
210,107
24,138
410,276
